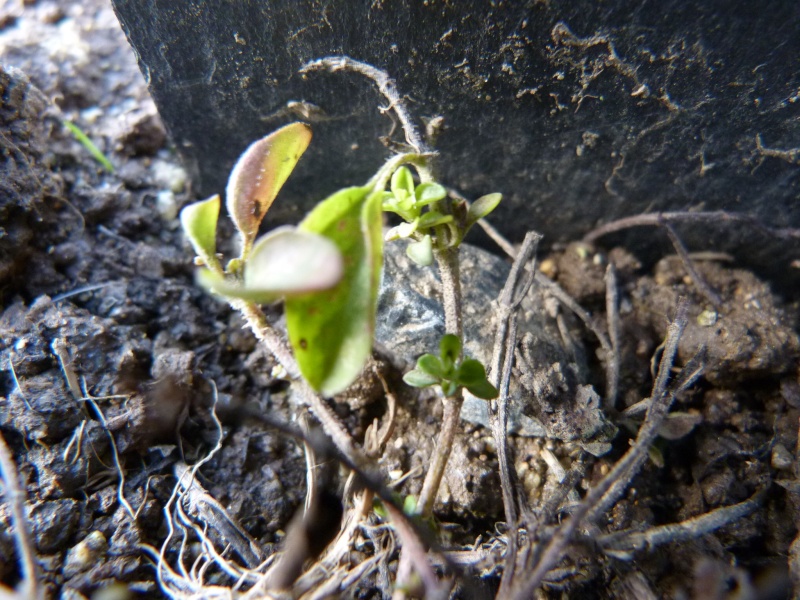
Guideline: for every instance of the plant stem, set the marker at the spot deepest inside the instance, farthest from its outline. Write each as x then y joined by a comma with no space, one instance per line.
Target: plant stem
441,454
447,259
449,271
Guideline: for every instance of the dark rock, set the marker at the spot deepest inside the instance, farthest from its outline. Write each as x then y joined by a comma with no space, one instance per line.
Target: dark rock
53,524
580,113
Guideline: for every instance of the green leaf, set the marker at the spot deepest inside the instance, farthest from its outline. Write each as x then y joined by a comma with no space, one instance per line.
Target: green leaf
483,389
229,287
259,174
482,207
656,456
283,263
403,230
429,192
332,331
402,185
471,372
296,262
421,252
450,348
420,379
90,146
430,364
379,508
199,222
433,218
410,505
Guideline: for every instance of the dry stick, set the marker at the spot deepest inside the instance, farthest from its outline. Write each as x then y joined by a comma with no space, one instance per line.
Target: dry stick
556,290
690,373
627,541
213,515
658,219
16,498
406,529
385,84
551,286
612,320
625,467
505,340
688,264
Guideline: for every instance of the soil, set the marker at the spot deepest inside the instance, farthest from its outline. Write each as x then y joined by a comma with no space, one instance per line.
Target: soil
114,365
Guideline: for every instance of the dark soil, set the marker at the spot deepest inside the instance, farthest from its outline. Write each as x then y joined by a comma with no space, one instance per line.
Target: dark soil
114,362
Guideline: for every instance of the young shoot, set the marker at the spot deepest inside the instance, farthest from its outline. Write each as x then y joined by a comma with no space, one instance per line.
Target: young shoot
451,372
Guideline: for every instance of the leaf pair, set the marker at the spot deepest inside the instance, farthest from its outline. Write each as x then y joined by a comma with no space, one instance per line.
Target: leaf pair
451,372
284,262
327,269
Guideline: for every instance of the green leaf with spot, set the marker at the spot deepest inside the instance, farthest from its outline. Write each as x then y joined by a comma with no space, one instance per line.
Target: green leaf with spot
199,222
332,331
259,175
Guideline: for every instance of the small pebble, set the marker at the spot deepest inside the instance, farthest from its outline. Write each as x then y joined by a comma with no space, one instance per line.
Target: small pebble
782,459
707,318
85,554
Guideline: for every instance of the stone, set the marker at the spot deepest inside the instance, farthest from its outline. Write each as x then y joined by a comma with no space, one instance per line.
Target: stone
547,394
579,113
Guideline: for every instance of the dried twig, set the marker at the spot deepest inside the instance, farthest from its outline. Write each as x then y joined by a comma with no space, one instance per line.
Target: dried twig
516,288
717,216
614,335
688,264
626,542
386,86
559,294
29,587
622,471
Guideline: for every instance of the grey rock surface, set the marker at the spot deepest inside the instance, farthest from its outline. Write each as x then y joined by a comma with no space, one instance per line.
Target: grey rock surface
547,396
579,112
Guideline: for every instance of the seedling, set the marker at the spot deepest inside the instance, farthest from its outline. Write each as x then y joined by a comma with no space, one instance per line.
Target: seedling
90,146
327,269
451,372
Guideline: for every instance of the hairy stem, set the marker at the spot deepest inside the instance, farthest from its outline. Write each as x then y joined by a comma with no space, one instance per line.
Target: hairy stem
441,454
447,260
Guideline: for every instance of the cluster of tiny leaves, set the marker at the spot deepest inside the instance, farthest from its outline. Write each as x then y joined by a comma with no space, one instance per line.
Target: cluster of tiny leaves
419,207
451,372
